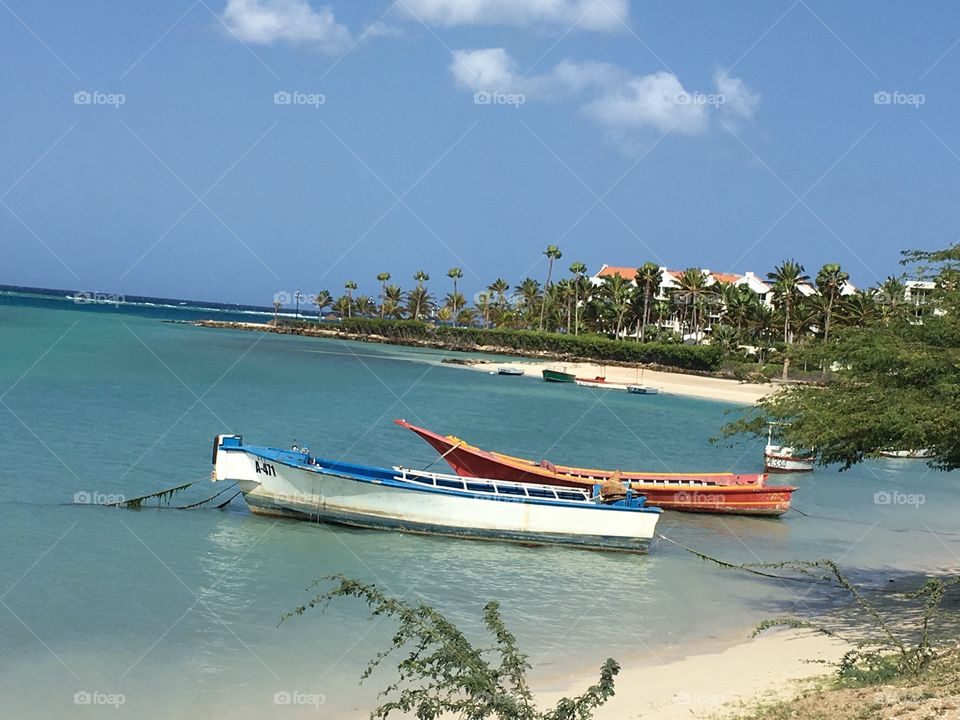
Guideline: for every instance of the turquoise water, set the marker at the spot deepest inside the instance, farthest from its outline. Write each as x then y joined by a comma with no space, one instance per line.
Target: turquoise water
177,610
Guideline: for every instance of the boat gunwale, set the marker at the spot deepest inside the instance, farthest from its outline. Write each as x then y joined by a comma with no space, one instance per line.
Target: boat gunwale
635,478
272,455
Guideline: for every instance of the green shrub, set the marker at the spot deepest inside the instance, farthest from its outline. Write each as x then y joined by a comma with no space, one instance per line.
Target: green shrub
591,347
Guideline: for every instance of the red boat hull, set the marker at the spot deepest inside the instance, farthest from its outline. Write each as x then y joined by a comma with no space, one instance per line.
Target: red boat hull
723,493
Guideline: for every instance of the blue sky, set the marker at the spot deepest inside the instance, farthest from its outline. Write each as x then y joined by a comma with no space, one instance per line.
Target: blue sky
724,135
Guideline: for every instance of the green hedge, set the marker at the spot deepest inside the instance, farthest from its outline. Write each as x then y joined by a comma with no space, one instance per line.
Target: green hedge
593,347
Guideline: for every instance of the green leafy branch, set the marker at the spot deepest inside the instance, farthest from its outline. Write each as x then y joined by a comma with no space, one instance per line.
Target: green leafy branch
443,673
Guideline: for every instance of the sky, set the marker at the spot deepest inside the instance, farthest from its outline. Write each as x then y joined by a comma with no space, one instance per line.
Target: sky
231,150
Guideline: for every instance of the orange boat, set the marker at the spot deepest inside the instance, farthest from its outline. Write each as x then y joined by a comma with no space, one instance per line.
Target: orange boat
727,493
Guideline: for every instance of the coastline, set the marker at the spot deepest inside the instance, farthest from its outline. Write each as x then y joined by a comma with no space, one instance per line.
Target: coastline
669,382
714,680
618,377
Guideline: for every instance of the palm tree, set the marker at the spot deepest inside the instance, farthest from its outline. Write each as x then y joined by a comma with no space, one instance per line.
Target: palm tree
860,308
350,286
787,278
392,301
694,284
421,277
553,253
615,291
322,299
455,274
419,301
454,301
892,292
467,317
567,293
383,278
342,306
276,311
484,305
579,271
500,287
365,305
529,291
762,324
739,304
830,282
649,277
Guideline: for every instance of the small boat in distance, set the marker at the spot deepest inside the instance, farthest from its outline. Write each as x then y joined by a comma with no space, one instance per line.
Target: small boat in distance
558,376
784,459
725,493
503,370
640,389
292,483
907,454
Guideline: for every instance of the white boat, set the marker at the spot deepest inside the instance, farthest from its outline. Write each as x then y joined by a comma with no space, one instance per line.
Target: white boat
292,483
638,388
907,454
784,459
642,390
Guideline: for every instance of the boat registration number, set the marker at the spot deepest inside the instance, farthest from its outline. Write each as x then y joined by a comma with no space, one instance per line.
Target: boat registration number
265,468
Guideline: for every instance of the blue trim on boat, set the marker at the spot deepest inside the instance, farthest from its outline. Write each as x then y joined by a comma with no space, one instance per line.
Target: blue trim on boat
384,476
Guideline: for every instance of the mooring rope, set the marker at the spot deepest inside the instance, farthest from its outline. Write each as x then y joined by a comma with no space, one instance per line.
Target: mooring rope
734,566
212,497
458,444
169,493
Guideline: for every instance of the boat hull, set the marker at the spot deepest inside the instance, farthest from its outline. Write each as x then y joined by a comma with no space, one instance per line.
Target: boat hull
780,459
556,376
720,493
351,495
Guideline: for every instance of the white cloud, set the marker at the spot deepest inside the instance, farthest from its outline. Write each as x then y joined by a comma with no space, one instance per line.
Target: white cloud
265,22
653,101
608,94
603,15
382,29
488,69
738,99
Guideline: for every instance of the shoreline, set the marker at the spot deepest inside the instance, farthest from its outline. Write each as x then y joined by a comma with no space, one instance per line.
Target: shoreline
710,678
673,381
618,377
713,678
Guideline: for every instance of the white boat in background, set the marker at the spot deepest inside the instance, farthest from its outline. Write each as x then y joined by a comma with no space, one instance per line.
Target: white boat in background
293,483
640,389
907,454
784,459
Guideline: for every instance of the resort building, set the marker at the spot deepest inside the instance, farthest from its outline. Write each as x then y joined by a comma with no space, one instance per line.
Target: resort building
670,284
763,288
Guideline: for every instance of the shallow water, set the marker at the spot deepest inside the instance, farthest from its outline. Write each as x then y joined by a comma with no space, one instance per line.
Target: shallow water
177,610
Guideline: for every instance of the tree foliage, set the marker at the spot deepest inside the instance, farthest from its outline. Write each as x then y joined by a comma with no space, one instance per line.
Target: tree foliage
443,673
897,384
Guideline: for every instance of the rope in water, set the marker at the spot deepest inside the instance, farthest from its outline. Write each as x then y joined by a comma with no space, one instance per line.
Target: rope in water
734,566
212,497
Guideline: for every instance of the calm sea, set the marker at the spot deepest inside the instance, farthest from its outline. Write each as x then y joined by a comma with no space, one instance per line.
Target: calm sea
161,613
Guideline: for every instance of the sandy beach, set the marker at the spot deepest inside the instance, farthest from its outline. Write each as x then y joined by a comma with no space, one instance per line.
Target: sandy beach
616,377
670,383
716,681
